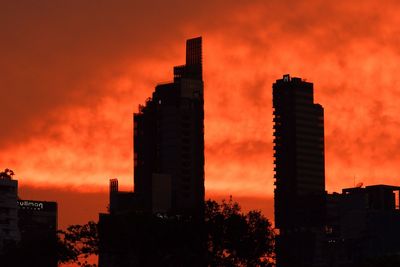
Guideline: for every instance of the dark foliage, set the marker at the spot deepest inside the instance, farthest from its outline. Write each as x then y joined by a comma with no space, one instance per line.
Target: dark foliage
6,174
78,243
236,238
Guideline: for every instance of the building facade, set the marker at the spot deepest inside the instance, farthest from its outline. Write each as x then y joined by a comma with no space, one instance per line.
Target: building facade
160,223
298,125
28,229
37,223
9,233
363,224
169,141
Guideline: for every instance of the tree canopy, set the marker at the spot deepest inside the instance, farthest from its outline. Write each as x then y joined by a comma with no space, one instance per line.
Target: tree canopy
236,238
78,243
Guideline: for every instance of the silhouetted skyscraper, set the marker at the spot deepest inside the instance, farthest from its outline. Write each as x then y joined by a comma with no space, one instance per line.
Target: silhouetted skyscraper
299,170
142,228
169,141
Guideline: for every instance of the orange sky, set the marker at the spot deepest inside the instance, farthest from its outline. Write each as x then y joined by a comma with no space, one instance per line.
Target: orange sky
73,72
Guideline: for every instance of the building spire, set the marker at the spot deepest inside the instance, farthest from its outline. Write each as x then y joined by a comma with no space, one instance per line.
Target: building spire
193,69
194,51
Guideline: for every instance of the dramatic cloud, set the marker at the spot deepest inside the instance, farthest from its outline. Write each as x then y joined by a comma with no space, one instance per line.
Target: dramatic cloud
73,72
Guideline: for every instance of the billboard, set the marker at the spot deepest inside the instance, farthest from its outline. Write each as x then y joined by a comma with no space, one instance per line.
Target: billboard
37,205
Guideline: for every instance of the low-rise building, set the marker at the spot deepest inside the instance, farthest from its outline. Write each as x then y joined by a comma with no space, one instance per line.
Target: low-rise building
363,223
9,233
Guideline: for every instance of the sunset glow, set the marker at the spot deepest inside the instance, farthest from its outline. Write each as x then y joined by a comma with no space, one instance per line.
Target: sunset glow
73,74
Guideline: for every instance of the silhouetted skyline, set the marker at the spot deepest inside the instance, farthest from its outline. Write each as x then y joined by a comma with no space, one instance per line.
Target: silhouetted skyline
74,72
317,229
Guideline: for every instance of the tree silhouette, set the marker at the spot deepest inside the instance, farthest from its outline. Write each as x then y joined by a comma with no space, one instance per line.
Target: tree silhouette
7,173
78,243
236,238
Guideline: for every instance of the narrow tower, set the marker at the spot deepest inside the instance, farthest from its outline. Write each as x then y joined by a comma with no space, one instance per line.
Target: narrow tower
299,170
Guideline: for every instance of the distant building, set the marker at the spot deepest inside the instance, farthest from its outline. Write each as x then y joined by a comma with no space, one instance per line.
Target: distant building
37,222
28,228
9,233
299,172
37,218
362,223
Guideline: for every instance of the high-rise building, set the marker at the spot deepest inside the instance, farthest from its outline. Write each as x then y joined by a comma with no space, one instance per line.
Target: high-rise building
161,222
169,141
299,171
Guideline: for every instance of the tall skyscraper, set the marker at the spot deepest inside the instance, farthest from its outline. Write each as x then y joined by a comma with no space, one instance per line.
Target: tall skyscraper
169,141
161,222
299,170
